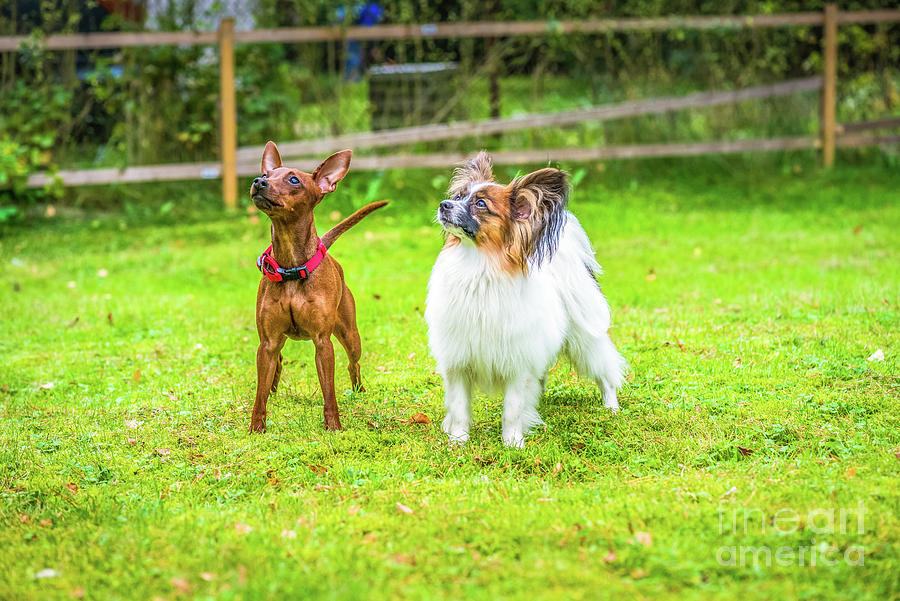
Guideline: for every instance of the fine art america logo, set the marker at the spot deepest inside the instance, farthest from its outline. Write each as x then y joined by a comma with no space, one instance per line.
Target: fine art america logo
820,530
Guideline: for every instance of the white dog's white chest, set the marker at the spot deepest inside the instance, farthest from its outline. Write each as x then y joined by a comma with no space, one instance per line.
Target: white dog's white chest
487,322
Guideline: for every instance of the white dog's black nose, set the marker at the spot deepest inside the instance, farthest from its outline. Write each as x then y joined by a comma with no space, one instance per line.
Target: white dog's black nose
446,205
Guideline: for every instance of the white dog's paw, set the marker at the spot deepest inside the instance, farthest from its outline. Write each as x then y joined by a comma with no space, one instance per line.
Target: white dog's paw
458,440
458,433
514,438
609,399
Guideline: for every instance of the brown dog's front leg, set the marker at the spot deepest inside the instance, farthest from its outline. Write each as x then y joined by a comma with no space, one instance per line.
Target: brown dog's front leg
267,362
325,370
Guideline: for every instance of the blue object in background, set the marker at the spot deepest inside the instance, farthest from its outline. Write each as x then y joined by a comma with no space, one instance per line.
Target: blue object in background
367,15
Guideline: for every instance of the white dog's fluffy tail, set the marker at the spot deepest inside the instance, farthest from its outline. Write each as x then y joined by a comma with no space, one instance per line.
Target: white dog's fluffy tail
588,345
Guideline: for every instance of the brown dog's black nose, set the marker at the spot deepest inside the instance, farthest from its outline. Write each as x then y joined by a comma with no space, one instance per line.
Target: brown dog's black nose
261,182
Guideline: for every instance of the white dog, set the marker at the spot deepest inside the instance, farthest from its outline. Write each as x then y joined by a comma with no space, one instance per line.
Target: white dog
513,287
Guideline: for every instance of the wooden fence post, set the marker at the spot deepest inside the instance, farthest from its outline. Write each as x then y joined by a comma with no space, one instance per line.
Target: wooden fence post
228,124
829,85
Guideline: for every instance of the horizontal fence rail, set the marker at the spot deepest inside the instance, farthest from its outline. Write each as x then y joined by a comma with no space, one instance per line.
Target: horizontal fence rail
187,171
87,41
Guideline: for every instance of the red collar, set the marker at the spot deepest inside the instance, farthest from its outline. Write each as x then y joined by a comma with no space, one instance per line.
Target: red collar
270,268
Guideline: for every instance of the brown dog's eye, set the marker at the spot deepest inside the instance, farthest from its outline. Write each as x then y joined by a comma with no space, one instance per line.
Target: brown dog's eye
294,180
480,204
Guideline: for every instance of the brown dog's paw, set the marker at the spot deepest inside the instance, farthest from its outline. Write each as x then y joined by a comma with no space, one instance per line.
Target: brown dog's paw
333,424
259,427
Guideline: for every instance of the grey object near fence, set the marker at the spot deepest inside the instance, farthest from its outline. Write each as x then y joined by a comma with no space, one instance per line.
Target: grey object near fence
408,94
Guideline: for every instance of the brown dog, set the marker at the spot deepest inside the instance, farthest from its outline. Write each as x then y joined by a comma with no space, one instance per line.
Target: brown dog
302,294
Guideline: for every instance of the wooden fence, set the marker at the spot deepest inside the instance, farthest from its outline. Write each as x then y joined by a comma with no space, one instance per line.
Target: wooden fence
236,162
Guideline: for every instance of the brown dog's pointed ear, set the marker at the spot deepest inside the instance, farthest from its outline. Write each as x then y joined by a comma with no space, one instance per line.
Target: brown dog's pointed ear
477,169
271,159
332,170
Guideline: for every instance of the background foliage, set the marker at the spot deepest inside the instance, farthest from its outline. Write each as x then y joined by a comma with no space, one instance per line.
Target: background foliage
159,104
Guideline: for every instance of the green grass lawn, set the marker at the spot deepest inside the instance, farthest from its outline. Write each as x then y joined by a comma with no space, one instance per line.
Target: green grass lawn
746,300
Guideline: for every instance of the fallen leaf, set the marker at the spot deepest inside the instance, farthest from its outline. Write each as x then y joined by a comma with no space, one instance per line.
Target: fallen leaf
857,230
578,446
136,377
411,357
557,468
47,386
353,510
77,593
851,472
288,534
876,356
401,508
163,452
736,362
181,585
482,460
638,574
545,500
23,518
376,296
372,425
73,322
242,528
131,440
745,452
46,523
609,557
109,318
368,538
133,423
242,575
381,368
644,538
405,559
651,275
207,576
419,418
318,469
73,488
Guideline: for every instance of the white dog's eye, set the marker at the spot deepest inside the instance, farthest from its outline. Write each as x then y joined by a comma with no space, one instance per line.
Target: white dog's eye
294,180
480,204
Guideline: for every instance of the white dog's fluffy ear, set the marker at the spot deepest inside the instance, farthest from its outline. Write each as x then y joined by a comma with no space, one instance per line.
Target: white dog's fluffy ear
477,169
538,203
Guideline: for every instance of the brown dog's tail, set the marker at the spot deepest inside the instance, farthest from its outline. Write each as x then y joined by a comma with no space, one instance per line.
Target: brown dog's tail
332,234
